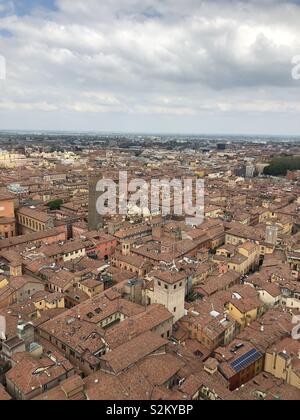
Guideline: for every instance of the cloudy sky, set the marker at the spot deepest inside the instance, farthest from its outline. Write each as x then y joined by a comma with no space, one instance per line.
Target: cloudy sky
192,66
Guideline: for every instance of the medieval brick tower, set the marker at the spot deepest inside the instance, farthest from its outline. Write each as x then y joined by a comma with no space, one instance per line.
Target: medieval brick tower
95,220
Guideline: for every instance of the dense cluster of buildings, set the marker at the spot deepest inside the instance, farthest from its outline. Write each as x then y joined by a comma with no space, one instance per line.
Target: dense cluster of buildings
146,306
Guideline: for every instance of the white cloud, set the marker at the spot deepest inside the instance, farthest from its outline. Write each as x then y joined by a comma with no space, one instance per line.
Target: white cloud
153,57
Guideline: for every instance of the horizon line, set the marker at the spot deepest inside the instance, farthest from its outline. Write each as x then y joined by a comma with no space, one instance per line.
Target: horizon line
146,133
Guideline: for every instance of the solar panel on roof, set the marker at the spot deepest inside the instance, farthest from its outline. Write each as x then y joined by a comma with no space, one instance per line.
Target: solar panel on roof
245,356
246,360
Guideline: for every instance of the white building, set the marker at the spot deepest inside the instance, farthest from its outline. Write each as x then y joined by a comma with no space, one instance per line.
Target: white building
170,290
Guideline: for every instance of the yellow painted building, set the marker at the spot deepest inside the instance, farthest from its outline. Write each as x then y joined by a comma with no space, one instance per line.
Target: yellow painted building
91,287
245,310
244,318
50,301
3,282
283,360
10,160
214,212
266,249
242,258
200,173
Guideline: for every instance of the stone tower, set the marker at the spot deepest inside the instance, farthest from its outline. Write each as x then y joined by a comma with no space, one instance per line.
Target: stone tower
95,220
271,235
170,291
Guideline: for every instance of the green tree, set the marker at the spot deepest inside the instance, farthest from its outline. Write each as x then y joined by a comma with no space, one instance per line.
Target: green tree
55,204
281,165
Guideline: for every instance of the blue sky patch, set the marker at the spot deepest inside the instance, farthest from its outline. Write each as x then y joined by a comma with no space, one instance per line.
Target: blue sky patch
4,33
26,7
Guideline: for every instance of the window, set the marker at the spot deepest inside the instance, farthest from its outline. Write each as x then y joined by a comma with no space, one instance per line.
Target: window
159,283
175,310
166,287
175,287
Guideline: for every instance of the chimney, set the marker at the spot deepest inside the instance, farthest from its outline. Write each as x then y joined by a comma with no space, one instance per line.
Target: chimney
20,328
131,333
